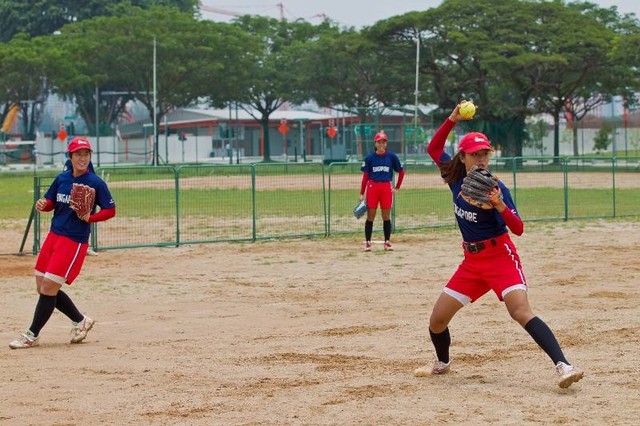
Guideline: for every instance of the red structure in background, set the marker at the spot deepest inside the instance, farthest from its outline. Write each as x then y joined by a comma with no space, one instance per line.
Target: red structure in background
62,134
283,128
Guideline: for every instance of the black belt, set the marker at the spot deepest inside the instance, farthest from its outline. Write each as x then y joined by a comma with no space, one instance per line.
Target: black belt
477,247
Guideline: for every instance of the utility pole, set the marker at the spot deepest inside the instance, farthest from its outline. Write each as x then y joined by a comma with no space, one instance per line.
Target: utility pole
156,155
98,123
417,92
281,8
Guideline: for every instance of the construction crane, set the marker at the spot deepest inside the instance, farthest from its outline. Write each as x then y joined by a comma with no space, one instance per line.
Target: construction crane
325,17
280,6
206,8
322,16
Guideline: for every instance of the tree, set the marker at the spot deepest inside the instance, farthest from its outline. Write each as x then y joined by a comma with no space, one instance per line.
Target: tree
576,108
588,74
396,40
513,58
117,53
604,137
349,71
5,89
276,70
355,73
536,132
23,81
44,17
465,55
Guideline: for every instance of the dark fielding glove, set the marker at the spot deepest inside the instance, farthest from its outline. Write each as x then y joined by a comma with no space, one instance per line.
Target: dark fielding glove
477,186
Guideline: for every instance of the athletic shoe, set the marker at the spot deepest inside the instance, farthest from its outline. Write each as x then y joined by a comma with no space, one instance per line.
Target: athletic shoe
367,246
80,329
568,374
439,367
25,341
388,246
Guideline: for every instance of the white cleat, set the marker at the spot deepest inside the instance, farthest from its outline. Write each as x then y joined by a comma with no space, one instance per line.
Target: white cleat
80,330
568,374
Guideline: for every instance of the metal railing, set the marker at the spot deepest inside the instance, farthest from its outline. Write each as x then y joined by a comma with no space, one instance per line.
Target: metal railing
208,203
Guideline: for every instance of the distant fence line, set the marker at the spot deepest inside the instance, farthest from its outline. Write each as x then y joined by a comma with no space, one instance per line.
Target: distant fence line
208,203
351,142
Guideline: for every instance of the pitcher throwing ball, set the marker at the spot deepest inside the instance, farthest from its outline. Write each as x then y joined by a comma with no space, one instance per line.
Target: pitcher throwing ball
485,212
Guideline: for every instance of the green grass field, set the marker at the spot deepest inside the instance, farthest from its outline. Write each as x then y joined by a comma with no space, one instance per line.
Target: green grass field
16,191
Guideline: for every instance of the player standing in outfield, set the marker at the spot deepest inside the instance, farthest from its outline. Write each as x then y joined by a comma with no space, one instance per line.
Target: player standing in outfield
66,244
490,261
377,178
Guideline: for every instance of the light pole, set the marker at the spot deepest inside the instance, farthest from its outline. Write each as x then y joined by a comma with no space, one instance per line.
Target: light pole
98,124
415,110
236,135
228,136
155,107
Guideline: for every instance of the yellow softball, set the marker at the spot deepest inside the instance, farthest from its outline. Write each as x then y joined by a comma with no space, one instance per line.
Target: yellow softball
467,109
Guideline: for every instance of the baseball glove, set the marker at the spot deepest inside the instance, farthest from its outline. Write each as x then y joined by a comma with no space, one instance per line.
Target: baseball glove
360,209
476,187
82,199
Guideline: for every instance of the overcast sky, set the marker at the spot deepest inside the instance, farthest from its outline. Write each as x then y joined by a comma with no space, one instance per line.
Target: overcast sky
356,13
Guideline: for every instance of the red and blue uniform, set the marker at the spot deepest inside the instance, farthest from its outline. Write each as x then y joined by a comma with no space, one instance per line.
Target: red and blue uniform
64,250
65,222
378,172
65,247
491,261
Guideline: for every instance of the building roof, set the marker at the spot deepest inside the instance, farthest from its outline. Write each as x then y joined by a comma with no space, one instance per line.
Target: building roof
241,114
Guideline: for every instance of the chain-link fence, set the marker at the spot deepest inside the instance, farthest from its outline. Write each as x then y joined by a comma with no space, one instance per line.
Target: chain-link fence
171,206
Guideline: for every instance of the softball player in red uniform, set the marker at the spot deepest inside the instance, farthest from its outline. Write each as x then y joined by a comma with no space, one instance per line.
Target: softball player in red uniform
65,247
491,261
377,177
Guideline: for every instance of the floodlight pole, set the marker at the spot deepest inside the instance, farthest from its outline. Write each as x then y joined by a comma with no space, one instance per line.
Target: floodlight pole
98,124
415,110
236,135
155,107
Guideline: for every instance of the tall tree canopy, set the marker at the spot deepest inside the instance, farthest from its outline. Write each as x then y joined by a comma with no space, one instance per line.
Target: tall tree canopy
358,73
115,53
43,17
514,58
23,79
276,72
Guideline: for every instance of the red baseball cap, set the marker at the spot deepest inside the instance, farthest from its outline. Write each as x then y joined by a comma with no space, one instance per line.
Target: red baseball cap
381,135
77,143
474,141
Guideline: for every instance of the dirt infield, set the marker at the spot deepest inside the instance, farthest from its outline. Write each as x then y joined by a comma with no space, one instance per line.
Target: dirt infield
318,332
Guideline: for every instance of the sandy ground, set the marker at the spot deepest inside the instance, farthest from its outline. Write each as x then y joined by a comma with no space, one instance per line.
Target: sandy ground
318,332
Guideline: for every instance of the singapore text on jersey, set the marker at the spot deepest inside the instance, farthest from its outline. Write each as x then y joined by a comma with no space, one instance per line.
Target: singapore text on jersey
63,198
463,214
380,169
